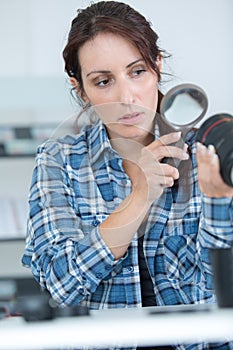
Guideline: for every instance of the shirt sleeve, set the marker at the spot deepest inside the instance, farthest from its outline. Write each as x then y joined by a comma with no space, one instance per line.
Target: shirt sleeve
216,222
64,260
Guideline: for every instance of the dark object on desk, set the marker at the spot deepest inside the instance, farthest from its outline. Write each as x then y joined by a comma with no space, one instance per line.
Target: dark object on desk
24,297
189,308
39,308
13,287
34,307
222,267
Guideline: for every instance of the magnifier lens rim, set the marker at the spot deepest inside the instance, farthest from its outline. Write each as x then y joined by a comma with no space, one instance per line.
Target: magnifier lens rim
174,92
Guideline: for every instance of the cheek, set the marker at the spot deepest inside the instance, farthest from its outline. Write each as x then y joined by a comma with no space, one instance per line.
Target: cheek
152,85
150,94
96,97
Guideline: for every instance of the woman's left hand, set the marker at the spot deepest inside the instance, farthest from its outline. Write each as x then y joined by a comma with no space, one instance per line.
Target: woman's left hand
209,177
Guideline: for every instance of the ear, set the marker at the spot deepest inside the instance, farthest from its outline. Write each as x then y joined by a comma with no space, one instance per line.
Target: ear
79,91
73,82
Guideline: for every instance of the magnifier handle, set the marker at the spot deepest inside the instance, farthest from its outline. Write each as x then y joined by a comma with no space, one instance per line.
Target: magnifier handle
171,160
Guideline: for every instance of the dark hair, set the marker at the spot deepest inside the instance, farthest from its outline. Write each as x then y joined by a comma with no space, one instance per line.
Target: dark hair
110,17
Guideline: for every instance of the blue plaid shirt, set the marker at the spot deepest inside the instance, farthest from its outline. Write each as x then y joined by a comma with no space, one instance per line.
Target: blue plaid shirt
77,182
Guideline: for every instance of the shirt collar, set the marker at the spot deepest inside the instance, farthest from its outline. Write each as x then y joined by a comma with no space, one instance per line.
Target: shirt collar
98,144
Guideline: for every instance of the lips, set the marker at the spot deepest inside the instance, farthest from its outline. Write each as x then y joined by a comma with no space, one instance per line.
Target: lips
131,118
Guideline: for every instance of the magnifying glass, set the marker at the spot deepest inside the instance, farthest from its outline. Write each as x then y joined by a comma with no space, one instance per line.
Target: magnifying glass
182,107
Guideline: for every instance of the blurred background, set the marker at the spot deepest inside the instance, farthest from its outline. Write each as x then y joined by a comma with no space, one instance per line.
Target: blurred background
35,92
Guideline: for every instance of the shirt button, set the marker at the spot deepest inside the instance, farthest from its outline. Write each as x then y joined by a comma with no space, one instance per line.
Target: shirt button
108,267
99,275
81,290
95,223
124,182
130,268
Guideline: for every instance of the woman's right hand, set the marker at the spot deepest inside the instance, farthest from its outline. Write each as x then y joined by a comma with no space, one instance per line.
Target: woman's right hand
153,175
149,177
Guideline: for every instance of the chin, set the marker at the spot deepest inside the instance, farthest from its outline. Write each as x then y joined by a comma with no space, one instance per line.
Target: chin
134,132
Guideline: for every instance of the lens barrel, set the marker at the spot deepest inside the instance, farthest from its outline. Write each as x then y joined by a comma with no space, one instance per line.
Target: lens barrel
218,131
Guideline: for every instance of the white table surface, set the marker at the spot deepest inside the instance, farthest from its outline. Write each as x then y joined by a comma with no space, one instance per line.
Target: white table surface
118,327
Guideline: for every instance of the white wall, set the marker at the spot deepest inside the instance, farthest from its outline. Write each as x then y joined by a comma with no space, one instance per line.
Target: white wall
196,33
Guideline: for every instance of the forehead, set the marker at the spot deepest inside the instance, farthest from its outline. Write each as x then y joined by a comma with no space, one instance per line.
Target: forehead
106,51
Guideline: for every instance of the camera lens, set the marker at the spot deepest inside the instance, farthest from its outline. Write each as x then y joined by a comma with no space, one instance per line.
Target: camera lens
218,131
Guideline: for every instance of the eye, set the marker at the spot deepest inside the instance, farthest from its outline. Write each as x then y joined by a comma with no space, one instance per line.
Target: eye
102,81
137,71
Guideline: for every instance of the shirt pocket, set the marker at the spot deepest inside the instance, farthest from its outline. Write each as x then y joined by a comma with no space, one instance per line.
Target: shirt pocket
180,250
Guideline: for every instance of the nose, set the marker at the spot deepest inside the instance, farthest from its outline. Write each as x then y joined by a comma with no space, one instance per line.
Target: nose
126,93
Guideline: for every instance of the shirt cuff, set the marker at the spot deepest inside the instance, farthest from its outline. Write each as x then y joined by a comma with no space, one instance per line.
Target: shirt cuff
218,212
94,258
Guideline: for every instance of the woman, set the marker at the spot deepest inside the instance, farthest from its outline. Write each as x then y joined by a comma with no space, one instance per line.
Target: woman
104,228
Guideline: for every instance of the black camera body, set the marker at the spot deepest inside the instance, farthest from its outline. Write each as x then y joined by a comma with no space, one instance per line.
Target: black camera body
218,131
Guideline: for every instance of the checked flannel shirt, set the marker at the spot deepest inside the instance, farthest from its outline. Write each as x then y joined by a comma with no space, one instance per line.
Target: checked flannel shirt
77,182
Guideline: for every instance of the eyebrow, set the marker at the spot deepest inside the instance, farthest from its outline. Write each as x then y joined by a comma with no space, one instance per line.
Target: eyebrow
108,71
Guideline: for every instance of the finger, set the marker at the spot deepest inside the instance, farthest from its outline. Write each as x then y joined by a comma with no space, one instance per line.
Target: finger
172,152
165,140
169,171
207,155
168,152
185,147
166,181
162,147
163,170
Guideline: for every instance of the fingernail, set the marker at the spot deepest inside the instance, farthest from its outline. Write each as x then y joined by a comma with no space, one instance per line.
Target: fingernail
201,148
176,134
185,155
211,149
198,144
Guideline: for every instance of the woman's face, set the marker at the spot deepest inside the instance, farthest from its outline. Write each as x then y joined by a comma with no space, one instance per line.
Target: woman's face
119,84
